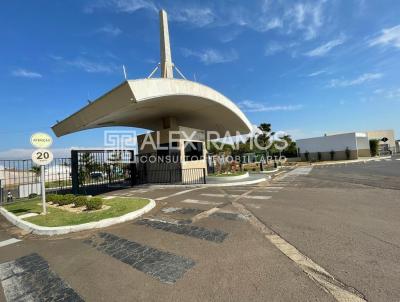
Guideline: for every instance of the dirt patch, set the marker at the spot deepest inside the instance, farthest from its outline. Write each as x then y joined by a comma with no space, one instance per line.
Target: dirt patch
71,208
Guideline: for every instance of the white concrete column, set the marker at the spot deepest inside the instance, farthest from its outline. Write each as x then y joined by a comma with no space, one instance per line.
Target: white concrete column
165,47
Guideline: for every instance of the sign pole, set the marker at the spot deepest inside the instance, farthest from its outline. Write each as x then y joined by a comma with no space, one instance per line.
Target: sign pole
42,157
42,180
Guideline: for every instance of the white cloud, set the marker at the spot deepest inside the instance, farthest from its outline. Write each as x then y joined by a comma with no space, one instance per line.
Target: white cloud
124,6
325,48
91,66
317,73
23,73
197,16
211,56
267,24
306,17
20,153
275,47
388,93
251,106
388,36
110,30
366,77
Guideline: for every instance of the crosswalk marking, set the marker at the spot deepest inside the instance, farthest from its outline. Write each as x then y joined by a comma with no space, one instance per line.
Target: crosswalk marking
177,194
9,241
257,197
235,195
201,202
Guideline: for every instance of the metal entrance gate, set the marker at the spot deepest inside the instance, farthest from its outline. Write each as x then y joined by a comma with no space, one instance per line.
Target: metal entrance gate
98,171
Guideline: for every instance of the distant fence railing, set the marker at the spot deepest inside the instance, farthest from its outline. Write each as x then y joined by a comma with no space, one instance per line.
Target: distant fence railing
90,172
21,178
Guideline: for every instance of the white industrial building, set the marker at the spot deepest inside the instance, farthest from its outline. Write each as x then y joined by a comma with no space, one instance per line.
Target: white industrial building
352,145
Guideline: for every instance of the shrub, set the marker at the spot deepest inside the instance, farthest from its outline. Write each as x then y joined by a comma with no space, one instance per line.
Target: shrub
66,199
374,146
348,153
80,201
54,198
319,156
32,195
94,203
332,153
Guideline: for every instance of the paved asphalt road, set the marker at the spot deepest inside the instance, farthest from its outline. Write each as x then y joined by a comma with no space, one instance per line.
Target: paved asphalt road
206,245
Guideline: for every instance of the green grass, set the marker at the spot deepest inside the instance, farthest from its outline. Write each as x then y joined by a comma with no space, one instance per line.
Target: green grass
227,175
59,217
57,184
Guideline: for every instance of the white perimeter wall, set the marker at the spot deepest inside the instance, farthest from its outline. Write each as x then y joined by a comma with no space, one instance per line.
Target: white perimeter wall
337,142
363,143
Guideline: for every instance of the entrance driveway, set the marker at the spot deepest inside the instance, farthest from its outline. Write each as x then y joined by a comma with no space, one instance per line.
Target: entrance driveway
218,244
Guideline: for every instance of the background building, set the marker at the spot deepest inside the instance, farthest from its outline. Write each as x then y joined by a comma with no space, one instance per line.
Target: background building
387,142
352,145
322,148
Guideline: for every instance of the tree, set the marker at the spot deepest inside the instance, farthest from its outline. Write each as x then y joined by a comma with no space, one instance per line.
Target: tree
291,149
374,146
87,165
35,170
263,139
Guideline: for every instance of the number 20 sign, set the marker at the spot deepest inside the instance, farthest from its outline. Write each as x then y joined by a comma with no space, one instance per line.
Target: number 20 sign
42,157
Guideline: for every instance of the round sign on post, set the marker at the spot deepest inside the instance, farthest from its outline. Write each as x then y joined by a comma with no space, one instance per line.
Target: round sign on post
42,157
41,140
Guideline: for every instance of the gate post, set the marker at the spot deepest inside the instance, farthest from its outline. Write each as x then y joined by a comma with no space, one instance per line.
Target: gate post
74,172
132,168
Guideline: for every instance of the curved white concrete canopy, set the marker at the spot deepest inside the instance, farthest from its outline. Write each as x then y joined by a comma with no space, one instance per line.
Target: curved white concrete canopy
144,103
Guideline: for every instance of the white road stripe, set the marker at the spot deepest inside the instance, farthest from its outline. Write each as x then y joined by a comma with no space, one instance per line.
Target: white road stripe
257,197
201,202
340,291
9,241
177,194
235,195
219,195
397,158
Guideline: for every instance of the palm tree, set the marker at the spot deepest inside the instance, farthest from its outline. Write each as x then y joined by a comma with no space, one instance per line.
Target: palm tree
264,138
35,170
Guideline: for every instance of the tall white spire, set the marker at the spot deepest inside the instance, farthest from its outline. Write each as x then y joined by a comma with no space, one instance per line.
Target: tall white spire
165,47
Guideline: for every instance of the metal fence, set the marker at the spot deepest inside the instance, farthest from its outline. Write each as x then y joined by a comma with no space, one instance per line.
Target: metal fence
90,172
21,178
98,171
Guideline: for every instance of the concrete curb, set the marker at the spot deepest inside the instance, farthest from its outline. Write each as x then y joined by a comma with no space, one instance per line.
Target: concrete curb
224,178
272,171
229,184
351,161
51,231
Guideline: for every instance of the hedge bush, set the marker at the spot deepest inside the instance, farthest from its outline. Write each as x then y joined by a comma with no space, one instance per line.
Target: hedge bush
80,201
94,203
54,198
66,199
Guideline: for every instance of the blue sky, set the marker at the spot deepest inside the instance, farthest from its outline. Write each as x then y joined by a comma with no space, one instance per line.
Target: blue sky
307,67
